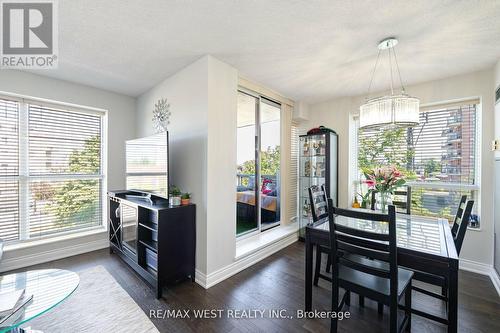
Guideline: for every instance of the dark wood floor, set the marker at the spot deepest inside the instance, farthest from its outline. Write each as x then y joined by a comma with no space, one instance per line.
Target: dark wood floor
278,283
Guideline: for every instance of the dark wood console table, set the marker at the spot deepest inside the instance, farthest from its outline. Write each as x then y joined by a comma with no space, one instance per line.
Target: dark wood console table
157,240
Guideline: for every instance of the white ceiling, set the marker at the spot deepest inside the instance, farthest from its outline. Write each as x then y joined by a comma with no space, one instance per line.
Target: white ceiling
306,50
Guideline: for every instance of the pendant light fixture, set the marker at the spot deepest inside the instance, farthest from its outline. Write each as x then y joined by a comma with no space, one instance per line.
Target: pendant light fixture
397,110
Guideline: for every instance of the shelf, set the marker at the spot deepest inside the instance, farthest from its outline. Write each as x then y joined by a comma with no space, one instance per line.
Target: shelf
152,245
316,177
309,156
149,225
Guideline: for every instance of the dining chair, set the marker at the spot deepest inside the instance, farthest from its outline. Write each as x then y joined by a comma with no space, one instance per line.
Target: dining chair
402,206
319,211
460,224
378,278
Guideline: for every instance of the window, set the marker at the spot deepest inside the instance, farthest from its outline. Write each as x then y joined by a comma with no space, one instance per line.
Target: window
440,157
258,179
51,177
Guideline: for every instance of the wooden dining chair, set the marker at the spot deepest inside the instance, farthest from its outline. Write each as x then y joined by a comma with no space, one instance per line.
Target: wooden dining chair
402,206
319,211
461,221
378,278
458,215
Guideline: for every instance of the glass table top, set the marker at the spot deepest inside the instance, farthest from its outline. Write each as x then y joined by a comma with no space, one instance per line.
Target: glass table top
49,288
419,233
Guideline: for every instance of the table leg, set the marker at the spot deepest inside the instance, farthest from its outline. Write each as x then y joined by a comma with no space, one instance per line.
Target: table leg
453,298
309,271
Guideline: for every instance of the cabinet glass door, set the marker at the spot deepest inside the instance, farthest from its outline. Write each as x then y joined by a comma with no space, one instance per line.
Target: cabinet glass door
312,171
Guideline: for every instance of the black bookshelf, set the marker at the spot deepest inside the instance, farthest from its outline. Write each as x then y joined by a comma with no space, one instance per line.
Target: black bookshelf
155,239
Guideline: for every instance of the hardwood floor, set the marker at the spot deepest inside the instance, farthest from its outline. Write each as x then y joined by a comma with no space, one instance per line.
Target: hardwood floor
278,283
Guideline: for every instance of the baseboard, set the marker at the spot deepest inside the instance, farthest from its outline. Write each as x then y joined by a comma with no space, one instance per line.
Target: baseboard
483,269
210,280
475,267
495,279
54,254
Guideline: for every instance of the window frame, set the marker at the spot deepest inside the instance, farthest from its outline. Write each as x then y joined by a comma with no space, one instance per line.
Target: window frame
476,187
24,178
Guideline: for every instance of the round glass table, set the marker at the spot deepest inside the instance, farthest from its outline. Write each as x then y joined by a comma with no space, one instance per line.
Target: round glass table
49,288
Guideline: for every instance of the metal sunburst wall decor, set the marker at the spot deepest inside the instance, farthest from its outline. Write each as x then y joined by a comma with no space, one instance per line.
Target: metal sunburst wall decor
161,115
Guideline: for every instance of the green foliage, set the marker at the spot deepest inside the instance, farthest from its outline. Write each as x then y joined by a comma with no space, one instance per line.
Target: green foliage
383,148
269,163
186,195
77,200
431,166
175,191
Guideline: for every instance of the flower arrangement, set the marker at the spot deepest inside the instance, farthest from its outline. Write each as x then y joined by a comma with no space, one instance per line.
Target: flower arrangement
384,179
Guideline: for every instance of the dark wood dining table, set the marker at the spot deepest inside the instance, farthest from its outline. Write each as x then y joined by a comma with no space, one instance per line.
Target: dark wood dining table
424,244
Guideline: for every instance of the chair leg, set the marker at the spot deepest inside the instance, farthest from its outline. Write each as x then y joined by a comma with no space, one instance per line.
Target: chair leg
393,316
361,301
335,308
348,298
318,265
408,306
380,309
328,263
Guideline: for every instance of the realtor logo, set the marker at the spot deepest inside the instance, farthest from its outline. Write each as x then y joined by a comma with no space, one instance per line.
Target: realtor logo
29,34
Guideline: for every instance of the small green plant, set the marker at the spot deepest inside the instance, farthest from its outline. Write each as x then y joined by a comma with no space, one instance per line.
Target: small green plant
175,191
186,195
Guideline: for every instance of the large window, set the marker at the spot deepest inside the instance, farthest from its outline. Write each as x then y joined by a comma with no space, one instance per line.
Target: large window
258,156
51,175
439,157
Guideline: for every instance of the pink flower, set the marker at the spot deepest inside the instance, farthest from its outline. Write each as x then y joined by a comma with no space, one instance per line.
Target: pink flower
370,182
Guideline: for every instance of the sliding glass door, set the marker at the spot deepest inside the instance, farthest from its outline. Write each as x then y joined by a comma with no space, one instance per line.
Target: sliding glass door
258,158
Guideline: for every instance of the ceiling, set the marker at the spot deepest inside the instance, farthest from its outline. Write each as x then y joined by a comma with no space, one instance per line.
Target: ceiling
306,50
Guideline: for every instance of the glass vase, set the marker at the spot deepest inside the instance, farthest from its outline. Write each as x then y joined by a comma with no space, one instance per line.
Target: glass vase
384,199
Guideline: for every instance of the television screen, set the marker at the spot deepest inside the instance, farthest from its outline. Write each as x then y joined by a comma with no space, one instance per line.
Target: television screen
147,164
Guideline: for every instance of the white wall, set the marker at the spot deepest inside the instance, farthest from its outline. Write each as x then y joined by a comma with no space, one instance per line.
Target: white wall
121,119
478,245
221,165
187,94
202,134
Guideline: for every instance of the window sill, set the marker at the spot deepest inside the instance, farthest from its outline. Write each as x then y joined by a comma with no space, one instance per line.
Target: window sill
252,244
48,240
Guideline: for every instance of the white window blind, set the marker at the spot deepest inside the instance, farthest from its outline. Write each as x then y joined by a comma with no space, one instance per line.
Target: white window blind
440,155
56,168
9,170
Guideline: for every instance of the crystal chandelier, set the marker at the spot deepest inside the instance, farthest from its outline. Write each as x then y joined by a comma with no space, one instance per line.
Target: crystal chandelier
399,110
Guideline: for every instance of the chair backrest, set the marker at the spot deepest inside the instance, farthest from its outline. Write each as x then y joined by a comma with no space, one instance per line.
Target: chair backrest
318,202
401,206
462,222
379,246
458,215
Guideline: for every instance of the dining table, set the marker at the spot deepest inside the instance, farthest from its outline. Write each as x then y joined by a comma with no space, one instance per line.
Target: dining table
424,244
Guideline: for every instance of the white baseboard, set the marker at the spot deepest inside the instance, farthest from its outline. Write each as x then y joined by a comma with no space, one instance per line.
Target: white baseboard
483,269
495,279
50,255
210,280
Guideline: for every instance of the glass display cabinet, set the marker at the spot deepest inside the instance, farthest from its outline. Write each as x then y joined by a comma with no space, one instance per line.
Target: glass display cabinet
318,165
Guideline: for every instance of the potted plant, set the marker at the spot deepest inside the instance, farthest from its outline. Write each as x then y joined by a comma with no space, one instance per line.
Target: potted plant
185,198
175,196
